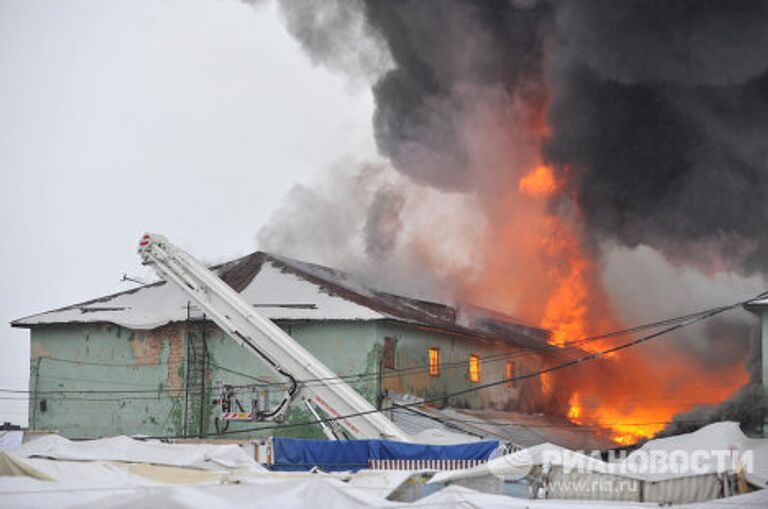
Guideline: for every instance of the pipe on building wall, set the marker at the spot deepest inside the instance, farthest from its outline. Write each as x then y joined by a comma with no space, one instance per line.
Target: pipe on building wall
33,424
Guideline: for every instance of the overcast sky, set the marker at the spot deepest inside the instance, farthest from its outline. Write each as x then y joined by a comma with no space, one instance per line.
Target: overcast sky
192,118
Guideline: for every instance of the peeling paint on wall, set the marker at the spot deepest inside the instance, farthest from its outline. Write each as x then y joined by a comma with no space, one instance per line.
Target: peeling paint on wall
137,402
146,348
155,362
37,350
176,338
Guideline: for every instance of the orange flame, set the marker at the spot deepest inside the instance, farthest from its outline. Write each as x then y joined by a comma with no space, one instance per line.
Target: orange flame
574,412
624,395
540,182
535,265
545,379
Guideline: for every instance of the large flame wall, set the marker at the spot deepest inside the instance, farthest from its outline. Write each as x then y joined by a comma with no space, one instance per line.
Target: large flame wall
539,267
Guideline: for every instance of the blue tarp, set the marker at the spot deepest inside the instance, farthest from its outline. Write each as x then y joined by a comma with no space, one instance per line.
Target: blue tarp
293,454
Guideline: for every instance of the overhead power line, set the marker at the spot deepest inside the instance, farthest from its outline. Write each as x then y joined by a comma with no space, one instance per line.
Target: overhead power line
361,377
692,319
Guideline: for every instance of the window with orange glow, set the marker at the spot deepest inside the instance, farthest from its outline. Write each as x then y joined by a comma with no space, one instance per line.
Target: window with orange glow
511,368
474,368
434,362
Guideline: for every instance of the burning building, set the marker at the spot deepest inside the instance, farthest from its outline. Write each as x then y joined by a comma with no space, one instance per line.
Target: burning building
531,147
575,134
145,361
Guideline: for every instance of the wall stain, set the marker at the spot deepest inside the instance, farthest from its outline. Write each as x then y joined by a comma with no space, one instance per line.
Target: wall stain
37,350
147,348
177,338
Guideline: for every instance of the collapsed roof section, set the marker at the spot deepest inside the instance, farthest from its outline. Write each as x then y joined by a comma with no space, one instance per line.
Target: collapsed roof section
285,289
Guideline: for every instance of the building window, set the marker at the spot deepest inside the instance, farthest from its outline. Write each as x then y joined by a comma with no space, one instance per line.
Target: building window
434,362
474,368
389,353
511,373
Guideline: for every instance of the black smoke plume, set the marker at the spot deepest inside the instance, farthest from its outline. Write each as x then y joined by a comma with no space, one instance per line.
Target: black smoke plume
657,111
660,110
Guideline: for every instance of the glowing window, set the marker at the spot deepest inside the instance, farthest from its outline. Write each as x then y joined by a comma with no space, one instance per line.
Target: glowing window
474,368
511,373
434,362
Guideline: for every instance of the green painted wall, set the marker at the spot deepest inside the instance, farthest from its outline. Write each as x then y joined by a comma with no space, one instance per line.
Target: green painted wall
134,381
346,347
102,360
764,344
140,376
411,374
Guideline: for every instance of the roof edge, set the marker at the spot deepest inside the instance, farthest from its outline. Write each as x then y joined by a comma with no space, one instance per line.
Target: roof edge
239,272
15,323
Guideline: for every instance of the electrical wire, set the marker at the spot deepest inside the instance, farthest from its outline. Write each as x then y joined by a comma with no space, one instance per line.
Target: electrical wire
695,318
520,352
360,377
523,351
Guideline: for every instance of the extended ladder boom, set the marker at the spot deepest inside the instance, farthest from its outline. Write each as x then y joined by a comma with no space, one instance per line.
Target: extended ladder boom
281,353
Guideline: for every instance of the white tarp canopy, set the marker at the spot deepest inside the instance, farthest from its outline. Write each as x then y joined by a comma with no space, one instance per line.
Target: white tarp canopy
121,469
269,492
65,471
708,442
10,439
649,463
518,464
26,492
273,491
126,449
122,472
316,491
457,496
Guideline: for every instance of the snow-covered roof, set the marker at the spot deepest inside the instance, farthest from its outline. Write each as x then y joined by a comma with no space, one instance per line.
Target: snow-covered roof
285,289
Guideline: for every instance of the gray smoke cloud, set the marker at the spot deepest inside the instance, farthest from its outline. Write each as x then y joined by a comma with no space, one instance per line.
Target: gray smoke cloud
335,33
352,219
445,54
656,42
748,406
657,116
383,223
657,109
337,218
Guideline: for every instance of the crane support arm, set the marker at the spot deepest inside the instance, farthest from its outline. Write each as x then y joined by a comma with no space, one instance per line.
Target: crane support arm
281,353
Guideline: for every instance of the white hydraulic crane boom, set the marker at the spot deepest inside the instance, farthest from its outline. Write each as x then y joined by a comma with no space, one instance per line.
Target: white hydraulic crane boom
281,353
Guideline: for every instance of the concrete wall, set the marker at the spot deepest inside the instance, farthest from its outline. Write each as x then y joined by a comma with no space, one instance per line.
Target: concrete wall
346,347
100,380
77,373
